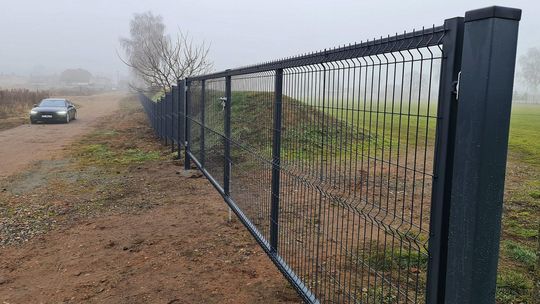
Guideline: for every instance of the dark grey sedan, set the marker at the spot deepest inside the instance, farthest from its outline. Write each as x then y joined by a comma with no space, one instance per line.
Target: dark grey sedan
53,110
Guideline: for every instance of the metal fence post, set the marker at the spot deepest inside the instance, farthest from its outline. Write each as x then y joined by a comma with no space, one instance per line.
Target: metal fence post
181,93
276,158
171,115
166,117
203,85
187,126
479,162
452,46
164,114
176,123
227,142
161,119
154,117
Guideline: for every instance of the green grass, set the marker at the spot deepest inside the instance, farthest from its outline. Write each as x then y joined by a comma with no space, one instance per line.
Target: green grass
251,124
513,287
103,155
525,133
519,253
517,229
521,216
387,260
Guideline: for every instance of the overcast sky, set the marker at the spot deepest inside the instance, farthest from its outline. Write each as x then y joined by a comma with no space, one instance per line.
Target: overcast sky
49,36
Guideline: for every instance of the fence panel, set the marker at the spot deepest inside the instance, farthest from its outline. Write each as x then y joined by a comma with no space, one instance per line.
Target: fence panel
340,162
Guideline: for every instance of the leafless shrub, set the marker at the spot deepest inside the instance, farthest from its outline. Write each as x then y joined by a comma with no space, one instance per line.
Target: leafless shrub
16,101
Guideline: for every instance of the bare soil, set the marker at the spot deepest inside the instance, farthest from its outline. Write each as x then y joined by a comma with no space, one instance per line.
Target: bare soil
27,143
119,229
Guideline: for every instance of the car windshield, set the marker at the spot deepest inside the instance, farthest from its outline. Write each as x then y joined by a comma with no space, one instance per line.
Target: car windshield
52,103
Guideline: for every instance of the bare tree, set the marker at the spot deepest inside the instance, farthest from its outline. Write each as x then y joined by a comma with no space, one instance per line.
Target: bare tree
158,60
530,68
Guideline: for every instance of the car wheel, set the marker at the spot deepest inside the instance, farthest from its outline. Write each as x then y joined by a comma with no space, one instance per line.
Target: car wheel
75,116
67,118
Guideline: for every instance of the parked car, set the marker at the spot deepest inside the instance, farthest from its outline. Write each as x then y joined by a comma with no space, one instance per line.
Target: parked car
53,109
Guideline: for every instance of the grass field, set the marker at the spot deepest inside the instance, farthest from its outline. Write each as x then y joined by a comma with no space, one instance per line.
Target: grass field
521,219
518,265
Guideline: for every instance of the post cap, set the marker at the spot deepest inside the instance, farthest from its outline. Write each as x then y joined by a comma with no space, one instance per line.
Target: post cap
493,12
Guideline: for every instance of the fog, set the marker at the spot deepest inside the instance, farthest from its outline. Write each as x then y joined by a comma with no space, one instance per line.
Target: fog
44,37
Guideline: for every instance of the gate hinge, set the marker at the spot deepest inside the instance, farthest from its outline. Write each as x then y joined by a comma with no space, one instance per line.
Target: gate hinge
455,86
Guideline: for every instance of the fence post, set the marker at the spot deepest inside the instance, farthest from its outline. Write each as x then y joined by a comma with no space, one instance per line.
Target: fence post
166,115
176,123
161,120
227,139
187,126
479,162
154,116
203,85
276,159
171,123
181,97
452,46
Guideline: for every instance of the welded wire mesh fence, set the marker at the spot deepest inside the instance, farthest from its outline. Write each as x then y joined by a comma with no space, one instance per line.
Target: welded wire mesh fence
333,160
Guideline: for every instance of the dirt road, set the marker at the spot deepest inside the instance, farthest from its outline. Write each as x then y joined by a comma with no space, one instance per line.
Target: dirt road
24,144
114,219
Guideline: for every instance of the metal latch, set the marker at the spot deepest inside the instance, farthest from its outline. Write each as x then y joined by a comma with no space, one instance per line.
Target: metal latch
223,101
455,86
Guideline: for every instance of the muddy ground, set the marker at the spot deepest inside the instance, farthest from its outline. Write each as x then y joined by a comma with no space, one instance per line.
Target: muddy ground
112,218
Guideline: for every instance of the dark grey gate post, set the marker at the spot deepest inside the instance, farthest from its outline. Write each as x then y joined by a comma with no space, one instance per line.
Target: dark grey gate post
227,139
452,46
203,106
187,126
276,160
481,140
